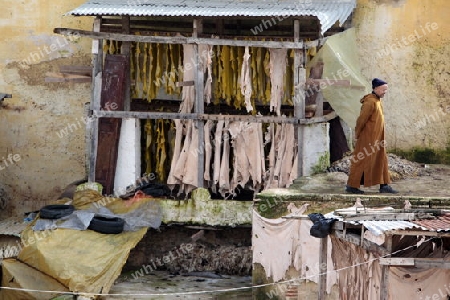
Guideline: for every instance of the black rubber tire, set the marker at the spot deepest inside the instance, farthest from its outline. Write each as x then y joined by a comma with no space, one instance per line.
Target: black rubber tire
107,225
56,211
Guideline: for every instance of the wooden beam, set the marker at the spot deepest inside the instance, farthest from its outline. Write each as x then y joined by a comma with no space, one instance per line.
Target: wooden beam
379,217
397,261
420,233
126,50
319,103
97,52
193,116
177,39
61,77
384,284
430,263
199,103
426,263
299,99
367,245
185,83
323,255
76,70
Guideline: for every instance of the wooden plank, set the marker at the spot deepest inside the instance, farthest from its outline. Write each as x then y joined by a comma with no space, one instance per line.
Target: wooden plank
323,254
367,245
126,50
397,261
97,53
319,102
420,233
185,83
60,77
177,39
193,116
380,217
199,103
79,70
384,284
299,100
429,263
112,98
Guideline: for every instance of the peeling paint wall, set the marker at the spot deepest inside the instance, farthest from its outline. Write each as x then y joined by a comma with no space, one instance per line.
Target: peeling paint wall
35,162
407,43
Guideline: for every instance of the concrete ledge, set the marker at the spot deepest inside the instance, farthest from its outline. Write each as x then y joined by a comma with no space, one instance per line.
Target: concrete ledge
273,203
201,210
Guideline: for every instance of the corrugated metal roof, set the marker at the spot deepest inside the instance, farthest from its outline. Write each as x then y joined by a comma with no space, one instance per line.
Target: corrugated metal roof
441,223
327,11
379,227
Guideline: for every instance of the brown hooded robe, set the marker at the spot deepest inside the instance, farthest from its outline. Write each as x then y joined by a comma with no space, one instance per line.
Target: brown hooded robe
369,157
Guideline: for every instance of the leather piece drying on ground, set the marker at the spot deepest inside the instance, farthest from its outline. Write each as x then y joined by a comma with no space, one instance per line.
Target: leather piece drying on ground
277,75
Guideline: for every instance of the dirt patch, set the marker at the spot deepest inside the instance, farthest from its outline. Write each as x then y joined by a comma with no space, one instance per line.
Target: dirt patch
399,168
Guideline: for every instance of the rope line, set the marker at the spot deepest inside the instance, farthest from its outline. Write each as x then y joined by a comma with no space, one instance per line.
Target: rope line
214,291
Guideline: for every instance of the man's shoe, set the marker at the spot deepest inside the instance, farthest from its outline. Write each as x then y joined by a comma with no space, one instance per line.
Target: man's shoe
353,190
388,190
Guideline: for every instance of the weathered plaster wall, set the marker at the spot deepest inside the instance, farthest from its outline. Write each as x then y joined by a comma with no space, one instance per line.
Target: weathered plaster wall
42,162
407,42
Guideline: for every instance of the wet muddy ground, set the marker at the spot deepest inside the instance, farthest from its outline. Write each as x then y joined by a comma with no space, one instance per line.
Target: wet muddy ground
408,178
151,286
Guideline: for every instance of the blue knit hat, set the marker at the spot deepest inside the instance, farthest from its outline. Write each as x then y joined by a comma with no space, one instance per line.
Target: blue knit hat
377,82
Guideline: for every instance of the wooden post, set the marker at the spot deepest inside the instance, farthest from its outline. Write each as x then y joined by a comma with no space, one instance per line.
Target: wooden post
384,285
97,51
199,103
323,255
299,96
126,50
319,103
